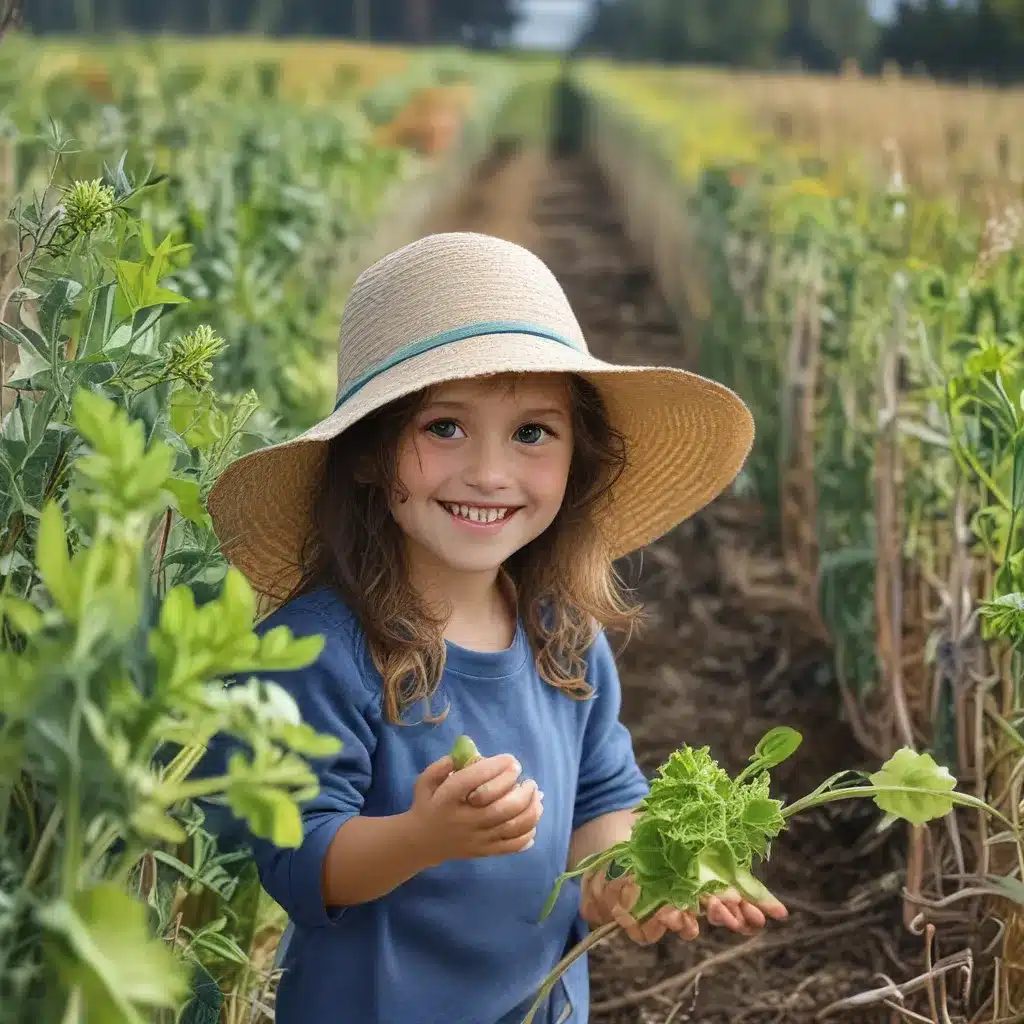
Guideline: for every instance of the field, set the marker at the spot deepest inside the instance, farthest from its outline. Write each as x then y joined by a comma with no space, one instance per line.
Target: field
185,220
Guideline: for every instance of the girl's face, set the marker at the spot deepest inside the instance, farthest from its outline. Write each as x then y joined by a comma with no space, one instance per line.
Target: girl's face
482,469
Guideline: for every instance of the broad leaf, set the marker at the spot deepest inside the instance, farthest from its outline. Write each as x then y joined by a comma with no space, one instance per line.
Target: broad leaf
105,947
912,771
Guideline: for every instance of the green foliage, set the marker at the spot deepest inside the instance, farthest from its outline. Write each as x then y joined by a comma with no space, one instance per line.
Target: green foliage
699,831
147,309
104,682
257,206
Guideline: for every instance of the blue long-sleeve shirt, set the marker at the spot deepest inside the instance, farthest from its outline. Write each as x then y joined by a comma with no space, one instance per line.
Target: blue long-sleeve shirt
461,943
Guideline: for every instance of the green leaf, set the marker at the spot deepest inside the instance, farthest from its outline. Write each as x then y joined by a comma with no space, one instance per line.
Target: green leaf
187,500
270,813
93,417
28,341
763,815
24,616
104,946
912,771
1011,888
53,561
56,305
154,823
776,746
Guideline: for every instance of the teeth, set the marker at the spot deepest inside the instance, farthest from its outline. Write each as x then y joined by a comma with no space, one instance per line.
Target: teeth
478,515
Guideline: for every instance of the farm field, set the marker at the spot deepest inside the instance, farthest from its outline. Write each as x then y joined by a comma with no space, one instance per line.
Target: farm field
185,220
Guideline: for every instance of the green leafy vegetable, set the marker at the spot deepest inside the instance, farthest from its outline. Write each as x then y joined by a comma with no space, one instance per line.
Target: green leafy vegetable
699,831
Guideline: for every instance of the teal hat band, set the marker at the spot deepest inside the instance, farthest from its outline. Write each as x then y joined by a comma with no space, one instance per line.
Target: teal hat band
447,338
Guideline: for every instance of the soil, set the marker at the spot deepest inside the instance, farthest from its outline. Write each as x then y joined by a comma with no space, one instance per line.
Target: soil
726,653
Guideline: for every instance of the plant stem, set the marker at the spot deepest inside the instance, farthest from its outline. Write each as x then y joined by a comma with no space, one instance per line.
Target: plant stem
566,962
45,839
960,799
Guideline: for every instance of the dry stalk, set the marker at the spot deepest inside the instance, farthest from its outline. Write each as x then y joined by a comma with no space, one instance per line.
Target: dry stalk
760,943
960,962
797,485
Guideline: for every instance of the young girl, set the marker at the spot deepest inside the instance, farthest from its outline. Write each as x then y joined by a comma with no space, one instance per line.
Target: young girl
450,529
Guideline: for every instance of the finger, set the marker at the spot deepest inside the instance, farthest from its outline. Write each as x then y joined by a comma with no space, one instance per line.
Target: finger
682,923
622,891
507,807
722,914
752,914
498,787
774,909
507,846
523,822
627,923
434,774
653,929
460,784
593,885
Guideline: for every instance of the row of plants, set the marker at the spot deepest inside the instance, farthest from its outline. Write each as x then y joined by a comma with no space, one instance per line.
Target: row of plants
271,193
876,333
171,285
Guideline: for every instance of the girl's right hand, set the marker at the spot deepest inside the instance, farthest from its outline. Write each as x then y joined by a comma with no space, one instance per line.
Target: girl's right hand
480,811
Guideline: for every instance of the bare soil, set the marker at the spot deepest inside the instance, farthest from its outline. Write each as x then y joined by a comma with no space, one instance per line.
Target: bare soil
726,654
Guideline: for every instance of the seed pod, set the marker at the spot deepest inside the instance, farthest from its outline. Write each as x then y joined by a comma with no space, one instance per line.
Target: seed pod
465,753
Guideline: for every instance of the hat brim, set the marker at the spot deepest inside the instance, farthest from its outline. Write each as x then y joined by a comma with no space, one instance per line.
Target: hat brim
687,439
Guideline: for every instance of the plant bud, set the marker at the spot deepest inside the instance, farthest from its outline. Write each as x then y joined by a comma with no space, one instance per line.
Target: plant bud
465,753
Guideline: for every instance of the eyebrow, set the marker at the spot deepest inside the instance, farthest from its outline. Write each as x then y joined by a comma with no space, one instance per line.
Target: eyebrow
536,412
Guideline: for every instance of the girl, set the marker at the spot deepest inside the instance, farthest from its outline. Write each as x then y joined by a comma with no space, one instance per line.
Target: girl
450,530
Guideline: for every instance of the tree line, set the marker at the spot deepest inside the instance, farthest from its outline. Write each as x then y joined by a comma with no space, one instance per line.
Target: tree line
955,39
950,39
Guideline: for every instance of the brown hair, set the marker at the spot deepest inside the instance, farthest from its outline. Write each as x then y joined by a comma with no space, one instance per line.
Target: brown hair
565,580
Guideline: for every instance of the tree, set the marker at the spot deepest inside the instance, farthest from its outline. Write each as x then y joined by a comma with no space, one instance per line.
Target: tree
486,21
716,31
822,34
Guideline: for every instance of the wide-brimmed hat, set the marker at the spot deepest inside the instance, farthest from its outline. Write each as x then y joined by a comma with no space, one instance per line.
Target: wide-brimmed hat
458,305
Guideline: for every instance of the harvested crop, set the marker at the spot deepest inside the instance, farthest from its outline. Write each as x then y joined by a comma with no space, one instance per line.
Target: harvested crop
699,830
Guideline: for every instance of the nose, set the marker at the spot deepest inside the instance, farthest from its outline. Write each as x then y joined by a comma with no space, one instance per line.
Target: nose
488,467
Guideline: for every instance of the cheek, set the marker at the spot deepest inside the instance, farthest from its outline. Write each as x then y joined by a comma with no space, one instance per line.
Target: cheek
420,470
549,478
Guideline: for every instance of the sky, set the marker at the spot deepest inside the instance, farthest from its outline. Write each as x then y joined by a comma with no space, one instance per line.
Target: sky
555,23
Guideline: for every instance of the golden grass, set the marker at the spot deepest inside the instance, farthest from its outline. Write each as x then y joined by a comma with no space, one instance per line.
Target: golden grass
308,68
966,140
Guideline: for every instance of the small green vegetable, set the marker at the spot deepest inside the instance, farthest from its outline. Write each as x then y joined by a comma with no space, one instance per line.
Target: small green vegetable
465,753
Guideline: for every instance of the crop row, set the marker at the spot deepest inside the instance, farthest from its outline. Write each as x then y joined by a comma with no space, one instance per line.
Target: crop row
875,329
172,272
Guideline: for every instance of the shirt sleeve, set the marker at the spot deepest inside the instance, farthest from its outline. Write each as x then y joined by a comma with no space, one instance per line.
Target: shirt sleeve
609,779
333,699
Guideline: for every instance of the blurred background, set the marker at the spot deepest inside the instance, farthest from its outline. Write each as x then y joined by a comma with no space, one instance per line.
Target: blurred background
960,38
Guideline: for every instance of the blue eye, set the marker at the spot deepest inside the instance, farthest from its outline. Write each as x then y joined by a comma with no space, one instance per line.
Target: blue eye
444,429
530,433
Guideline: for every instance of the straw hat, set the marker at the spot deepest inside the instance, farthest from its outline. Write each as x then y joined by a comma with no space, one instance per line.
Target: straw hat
462,305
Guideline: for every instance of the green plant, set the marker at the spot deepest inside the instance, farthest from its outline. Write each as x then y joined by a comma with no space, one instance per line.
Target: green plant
698,831
101,682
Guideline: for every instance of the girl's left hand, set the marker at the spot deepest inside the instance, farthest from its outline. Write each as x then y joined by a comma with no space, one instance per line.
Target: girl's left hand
605,900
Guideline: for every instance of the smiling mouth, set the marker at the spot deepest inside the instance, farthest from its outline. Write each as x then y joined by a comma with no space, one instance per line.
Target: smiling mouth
477,515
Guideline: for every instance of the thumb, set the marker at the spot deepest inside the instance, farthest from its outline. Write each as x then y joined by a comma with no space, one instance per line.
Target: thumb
434,774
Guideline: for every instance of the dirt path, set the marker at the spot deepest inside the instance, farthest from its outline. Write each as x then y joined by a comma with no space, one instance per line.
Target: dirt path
723,658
